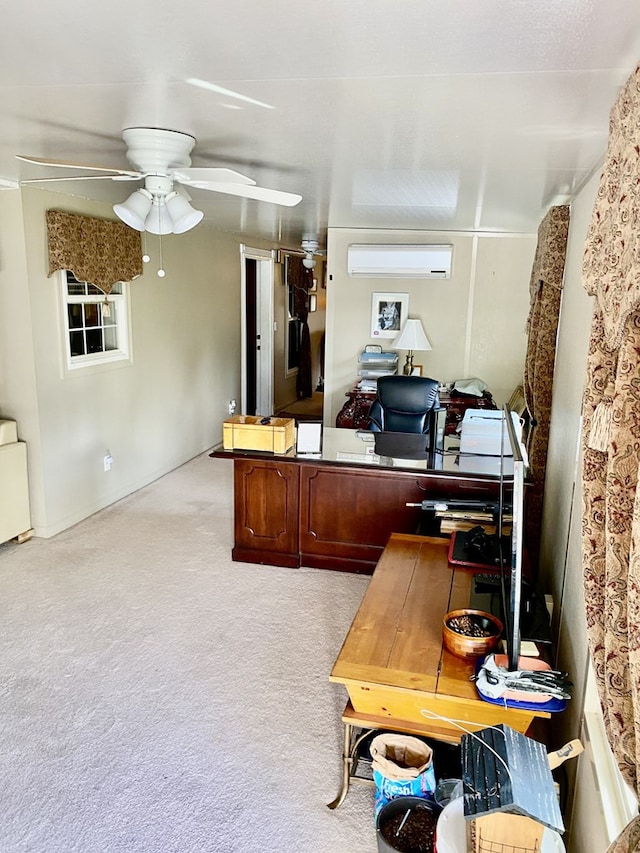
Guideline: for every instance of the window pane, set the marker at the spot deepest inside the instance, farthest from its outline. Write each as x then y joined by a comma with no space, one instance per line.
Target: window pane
75,316
76,340
110,338
91,314
75,287
112,319
94,340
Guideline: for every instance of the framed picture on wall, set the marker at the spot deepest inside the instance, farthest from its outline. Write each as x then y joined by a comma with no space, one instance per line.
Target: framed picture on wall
388,314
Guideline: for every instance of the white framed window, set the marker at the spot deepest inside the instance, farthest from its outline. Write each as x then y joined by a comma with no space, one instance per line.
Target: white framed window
96,326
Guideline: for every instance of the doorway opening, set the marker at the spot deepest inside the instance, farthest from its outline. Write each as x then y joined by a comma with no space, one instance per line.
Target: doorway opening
256,280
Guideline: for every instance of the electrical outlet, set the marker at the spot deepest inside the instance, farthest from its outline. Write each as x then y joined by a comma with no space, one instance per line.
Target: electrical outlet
108,461
232,406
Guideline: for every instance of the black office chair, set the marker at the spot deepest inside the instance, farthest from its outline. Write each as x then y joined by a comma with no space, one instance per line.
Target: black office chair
405,404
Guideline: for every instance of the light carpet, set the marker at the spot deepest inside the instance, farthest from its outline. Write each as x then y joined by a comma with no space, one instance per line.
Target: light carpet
157,696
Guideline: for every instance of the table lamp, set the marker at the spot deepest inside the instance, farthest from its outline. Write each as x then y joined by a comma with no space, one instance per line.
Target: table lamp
412,337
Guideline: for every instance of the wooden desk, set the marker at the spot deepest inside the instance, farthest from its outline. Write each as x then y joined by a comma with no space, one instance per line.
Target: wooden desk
355,412
397,673
338,511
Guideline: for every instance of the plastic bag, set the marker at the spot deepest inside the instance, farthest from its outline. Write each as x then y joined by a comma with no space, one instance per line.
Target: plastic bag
402,766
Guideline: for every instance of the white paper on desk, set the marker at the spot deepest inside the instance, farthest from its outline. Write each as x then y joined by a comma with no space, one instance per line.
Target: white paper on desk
309,438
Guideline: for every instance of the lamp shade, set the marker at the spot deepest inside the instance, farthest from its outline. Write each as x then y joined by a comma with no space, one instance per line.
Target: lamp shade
182,214
159,221
134,210
412,337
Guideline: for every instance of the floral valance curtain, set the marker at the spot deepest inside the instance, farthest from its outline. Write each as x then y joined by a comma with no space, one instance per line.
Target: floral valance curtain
301,279
611,442
545,291
100,251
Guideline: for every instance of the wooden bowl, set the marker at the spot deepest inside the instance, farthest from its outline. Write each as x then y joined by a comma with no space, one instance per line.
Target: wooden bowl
468,645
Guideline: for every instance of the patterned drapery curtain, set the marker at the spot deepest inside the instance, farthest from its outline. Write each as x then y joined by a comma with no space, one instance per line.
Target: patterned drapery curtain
611,443
545,296
302,279
100,251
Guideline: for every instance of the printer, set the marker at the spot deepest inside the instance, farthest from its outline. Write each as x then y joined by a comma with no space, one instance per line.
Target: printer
482,429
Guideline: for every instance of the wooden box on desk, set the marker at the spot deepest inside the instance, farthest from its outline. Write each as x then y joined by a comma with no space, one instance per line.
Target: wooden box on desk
247,432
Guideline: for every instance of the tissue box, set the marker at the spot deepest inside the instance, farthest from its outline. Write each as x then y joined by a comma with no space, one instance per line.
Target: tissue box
481,430
245,432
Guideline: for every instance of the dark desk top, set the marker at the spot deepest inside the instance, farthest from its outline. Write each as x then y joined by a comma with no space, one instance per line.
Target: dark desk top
356,448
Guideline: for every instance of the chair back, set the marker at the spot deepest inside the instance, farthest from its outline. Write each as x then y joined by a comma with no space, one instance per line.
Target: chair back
404,404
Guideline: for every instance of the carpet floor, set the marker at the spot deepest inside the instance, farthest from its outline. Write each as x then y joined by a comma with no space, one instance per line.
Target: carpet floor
159,698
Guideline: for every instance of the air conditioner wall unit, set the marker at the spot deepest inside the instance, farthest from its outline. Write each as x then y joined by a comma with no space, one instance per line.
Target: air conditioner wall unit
399,261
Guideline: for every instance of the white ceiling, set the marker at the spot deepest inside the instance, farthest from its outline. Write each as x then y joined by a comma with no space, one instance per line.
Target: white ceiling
412,114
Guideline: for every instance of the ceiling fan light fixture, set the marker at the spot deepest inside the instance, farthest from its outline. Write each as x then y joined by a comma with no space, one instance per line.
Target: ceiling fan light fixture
183,215
158,220
135,209
309,247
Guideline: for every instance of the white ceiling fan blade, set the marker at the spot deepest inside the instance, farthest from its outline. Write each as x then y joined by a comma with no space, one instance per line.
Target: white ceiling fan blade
207,174
82,178
258,193
64,164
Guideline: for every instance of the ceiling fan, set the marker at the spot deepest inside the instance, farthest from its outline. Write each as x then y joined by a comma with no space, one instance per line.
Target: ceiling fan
310,248
162,159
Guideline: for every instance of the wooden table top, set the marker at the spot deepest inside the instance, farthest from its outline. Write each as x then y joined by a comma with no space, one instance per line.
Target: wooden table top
393,661
396,635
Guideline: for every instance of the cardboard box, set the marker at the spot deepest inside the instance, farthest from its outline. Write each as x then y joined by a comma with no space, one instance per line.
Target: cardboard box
246,432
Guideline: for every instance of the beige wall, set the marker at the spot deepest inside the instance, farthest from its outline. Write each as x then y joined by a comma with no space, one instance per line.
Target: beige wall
475,320
152,415
18,398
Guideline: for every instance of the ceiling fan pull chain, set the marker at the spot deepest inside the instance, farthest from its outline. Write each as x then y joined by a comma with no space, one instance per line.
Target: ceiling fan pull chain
145,257
161,272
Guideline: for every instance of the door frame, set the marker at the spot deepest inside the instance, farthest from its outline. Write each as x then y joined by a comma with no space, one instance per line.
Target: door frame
265,261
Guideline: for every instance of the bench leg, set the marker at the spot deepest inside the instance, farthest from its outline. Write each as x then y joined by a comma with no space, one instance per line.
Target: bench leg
346,769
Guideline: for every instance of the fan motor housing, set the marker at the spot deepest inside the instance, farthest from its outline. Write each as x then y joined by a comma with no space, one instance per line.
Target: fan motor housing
156,150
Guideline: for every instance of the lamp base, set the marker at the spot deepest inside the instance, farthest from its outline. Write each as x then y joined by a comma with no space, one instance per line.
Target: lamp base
408,365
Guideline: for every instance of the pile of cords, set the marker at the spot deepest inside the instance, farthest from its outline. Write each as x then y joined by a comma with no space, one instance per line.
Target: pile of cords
550,682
